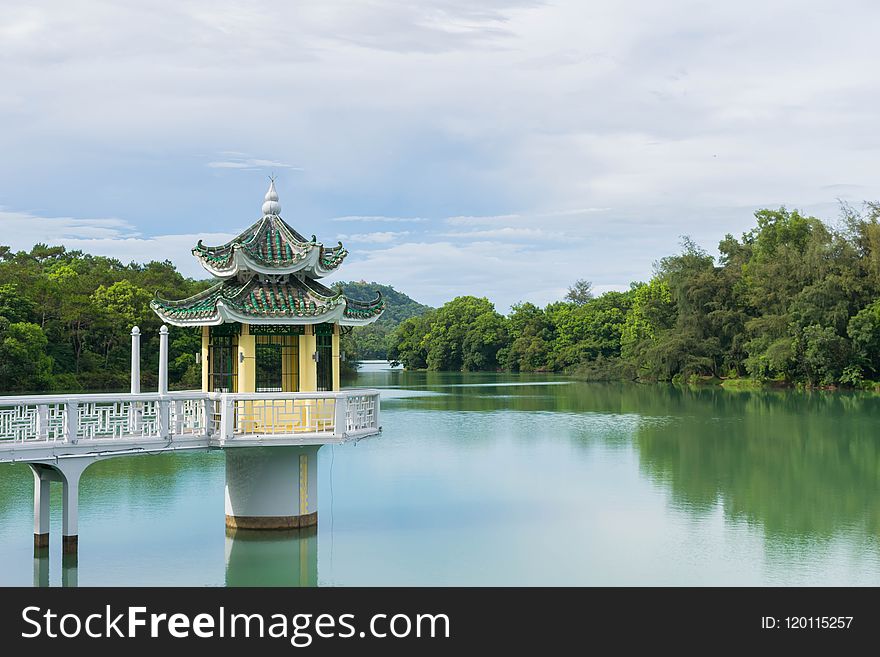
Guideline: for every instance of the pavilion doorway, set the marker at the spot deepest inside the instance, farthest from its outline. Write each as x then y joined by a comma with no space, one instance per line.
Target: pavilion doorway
223,358
277,363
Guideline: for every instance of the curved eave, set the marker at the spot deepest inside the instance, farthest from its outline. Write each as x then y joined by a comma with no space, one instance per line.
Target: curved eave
352,319
211,320
335,255
225,313
242,262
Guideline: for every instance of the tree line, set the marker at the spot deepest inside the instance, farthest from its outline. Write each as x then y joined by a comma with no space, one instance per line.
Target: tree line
793,301
65,318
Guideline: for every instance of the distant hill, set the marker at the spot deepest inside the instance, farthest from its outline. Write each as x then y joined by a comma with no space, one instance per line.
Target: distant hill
371,342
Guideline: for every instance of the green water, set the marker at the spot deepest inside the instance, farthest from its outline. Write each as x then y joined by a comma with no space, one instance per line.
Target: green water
505,479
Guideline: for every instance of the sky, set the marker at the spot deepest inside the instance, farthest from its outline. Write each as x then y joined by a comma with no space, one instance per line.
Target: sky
501,148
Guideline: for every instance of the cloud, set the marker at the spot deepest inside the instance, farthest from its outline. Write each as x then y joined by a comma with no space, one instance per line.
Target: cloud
379,237
113,238
509,233
23,229
506,273
499,123
489,220
251,164
381,219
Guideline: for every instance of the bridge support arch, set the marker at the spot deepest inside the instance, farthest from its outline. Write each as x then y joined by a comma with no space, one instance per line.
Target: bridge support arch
68,472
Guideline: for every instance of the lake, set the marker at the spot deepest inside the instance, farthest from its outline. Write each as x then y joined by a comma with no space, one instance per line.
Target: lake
501,479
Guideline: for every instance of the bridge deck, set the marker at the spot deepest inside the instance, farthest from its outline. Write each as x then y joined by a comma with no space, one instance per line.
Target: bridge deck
39,428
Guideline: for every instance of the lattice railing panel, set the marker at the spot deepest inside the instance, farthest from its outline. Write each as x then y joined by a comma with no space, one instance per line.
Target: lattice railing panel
188,416
360,413
117,419
285,416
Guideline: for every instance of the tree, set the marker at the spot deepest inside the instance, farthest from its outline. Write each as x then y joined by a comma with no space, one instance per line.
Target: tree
24,364
864,332
580,292
825,354
84,307
408,345
13,305
531,336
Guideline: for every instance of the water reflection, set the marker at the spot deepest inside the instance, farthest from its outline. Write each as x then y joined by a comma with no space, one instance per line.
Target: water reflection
802,466
69,570
276,558
799,465
41,566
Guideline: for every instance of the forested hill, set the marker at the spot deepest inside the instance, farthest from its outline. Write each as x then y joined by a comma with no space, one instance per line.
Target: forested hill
372,341
399,306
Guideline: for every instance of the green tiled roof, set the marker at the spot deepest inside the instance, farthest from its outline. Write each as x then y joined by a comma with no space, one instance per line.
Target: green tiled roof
284,302
268,276
270,244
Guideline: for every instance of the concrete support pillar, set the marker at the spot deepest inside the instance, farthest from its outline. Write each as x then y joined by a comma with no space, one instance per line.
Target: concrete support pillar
41,510
71,471
70,514
272,487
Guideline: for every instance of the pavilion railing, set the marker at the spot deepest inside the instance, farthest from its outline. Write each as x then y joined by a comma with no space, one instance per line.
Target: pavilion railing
219,417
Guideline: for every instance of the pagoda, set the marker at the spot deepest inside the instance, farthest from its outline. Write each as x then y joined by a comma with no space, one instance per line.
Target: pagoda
268,324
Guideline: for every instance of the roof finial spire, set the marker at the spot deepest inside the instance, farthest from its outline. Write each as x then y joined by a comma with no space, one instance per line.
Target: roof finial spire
271,206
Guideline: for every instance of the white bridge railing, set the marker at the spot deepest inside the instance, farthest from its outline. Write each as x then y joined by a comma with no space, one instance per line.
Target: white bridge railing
218,417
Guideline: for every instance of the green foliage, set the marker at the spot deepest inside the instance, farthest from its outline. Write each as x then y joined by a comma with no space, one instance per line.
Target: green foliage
652,312
65,319
792,300
465,334
864,332
408,345
590,330
531,335
24,364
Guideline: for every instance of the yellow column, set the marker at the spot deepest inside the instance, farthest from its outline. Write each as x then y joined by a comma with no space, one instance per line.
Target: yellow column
308,372
247,372
206,333
336,364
